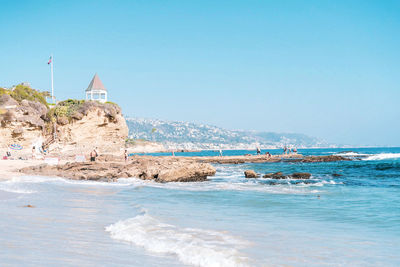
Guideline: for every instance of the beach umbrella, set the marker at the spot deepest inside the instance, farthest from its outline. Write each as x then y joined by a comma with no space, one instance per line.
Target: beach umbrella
16,147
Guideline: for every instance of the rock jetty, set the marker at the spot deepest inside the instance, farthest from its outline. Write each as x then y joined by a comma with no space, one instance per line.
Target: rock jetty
265,158
324,158
147,168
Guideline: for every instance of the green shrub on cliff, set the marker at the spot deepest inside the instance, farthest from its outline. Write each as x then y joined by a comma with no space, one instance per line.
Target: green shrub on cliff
67,108
4,91
22,92
73,109
112,103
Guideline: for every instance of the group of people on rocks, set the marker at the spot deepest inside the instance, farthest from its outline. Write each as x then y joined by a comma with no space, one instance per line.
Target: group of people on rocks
94,154
288,150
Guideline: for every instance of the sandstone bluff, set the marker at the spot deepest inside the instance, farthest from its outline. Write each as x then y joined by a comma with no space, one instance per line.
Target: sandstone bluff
71,127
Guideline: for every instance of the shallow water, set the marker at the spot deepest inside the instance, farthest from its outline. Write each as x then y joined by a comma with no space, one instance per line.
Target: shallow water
351,220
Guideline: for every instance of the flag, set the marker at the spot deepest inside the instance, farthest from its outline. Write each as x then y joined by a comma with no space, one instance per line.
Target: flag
48,63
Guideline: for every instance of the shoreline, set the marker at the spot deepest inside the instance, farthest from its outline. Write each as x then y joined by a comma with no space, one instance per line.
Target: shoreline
10,168
158,168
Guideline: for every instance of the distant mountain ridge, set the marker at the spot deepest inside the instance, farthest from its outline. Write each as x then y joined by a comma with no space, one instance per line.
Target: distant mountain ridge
187,135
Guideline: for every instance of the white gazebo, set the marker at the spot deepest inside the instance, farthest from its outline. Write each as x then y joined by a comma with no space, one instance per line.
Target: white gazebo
96,90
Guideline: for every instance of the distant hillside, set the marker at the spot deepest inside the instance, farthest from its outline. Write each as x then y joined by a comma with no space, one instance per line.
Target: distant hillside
185,135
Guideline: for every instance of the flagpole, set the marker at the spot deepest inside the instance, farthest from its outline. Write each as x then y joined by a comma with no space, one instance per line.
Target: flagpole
52,83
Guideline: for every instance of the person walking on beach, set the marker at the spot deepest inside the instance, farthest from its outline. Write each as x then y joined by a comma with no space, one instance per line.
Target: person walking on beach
285,150
93,155
220,152
126,155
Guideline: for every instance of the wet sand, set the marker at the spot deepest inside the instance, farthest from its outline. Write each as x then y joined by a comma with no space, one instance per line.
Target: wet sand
9,168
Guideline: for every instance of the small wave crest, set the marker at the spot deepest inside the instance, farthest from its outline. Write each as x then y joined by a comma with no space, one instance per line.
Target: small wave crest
351,154
192,246
13,188
223,184
383,156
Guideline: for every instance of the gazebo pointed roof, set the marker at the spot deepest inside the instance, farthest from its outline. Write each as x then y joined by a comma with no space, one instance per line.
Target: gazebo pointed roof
96,84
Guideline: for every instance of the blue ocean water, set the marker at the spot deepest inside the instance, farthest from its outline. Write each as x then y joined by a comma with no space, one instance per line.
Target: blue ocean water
347,220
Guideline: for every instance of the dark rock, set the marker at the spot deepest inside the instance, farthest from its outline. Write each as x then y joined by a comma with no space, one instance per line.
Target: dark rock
301,175
324,158
250,174
276,175
336,174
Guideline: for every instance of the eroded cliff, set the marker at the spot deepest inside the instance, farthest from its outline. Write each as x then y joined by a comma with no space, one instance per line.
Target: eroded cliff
71,127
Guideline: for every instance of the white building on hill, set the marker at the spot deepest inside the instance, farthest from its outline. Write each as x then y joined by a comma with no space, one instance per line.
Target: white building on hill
96,90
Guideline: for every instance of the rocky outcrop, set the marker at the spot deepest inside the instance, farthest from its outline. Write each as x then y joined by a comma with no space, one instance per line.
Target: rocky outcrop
94,125
239,159
276,175
21,123
265,158
250,174
324,158
280,175
72,127
301,175
146,168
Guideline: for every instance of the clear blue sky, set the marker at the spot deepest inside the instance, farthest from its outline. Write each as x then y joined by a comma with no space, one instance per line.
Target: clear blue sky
329,69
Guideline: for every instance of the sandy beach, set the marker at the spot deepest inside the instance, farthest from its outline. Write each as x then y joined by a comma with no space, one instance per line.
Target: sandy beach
9,168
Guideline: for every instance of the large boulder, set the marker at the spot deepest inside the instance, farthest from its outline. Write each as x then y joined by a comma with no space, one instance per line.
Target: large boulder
250,174
193,172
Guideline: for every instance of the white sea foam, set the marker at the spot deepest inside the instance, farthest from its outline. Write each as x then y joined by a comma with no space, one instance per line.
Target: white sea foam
191,246
351,154
24,184
383,156
226,184
45,179
14,188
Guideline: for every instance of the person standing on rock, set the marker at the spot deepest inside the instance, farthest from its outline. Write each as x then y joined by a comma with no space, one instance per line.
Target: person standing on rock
93,155
220,152
258,151
126,155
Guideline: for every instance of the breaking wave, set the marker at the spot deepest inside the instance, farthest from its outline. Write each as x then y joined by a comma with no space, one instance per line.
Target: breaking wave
383,156
191,246
351,154
15,188
215,184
